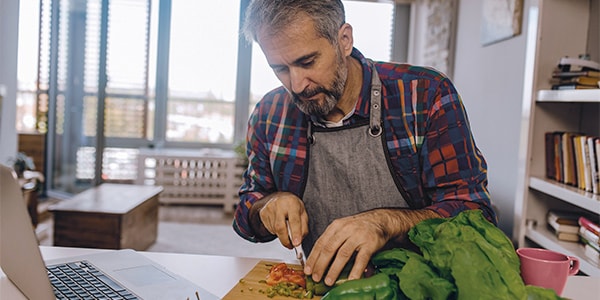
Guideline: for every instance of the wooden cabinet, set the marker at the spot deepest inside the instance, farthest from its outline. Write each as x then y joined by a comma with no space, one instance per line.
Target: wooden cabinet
556,28
109,216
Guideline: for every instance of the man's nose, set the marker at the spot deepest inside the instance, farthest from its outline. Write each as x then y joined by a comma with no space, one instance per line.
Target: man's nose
298,80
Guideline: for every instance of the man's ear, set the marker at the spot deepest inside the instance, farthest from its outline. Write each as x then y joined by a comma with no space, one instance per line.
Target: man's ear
345,39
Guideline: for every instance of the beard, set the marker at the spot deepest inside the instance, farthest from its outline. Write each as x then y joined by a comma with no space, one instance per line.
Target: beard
332,95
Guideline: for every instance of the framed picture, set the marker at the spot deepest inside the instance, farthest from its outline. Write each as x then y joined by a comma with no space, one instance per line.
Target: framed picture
502,19
433,34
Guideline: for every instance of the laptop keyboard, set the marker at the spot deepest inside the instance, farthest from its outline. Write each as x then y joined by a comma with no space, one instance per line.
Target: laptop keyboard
81,280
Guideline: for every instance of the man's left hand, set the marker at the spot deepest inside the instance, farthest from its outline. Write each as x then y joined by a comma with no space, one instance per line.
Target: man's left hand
358,237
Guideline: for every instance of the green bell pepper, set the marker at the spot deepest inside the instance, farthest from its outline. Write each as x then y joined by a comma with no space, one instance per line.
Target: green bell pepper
376,287
320,288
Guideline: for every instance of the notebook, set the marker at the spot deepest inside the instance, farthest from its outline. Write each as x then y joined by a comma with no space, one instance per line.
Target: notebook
129,274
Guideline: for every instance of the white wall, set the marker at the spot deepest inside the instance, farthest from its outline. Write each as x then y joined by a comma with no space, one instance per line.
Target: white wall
490,80
9,22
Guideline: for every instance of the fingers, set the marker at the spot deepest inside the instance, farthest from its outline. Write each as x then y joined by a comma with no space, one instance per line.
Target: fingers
347,239
360,265
281,209
298,223
322,254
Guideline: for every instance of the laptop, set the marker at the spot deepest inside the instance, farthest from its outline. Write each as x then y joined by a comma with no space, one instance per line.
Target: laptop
121,274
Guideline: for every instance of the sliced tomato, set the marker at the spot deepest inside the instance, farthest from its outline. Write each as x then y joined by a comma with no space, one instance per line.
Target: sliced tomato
282,273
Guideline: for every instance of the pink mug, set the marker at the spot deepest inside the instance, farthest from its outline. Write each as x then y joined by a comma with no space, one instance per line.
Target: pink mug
546,268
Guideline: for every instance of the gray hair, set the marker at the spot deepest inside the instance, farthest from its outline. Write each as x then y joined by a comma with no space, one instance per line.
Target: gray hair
328,16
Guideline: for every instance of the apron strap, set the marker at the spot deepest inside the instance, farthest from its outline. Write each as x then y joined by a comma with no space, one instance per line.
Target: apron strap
375,128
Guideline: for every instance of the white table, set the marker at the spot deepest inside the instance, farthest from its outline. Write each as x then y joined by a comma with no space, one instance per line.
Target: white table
201,269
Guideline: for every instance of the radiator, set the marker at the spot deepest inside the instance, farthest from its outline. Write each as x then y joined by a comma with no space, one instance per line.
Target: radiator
203,176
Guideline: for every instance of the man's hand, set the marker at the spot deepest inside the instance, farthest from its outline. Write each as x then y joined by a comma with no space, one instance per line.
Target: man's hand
269,215
361,236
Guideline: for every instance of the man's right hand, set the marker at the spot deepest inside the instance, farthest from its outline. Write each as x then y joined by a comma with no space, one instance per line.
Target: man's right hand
268,216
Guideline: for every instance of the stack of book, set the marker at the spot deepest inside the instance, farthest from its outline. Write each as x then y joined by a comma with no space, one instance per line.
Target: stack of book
576,73
573,158
564,225
570,226
589,232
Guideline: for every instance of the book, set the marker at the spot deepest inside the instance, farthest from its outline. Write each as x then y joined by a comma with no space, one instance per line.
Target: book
579,163
550,155
558,160
568,159
597,155
567,63
566,236
588,236
587,165
573,158
591,253
588,224
573,86
582,80
583,163
567,74
563,221
594,246
591,250
592,158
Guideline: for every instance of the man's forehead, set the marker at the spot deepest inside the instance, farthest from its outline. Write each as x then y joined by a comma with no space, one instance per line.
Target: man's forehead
290,44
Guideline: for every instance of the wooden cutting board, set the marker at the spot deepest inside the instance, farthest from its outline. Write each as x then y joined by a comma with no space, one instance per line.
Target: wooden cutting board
248,288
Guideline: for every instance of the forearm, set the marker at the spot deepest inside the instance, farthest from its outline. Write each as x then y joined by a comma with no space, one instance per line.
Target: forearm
255,222
451,208
397,222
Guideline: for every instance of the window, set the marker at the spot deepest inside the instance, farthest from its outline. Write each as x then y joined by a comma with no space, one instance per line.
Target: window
105,78
27,71
202,71
372,26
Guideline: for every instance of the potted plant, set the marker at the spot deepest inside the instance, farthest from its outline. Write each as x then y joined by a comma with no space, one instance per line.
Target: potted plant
21,163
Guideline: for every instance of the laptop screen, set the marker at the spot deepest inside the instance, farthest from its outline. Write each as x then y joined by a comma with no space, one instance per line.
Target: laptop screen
20,256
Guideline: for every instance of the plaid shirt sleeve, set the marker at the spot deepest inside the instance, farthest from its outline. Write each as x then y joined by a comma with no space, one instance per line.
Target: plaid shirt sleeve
276,148
454,170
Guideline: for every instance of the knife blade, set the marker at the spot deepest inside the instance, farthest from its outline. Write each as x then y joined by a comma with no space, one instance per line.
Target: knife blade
297,249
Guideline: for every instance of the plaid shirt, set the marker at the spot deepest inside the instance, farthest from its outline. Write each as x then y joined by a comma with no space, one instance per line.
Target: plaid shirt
429,142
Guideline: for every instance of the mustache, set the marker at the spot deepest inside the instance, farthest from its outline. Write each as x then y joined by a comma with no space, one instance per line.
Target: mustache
307,94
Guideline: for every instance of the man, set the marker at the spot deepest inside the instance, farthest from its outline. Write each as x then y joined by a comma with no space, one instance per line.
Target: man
351,153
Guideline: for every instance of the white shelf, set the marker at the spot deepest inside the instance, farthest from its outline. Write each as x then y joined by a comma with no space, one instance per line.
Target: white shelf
589,95
550,36
566,193
546,239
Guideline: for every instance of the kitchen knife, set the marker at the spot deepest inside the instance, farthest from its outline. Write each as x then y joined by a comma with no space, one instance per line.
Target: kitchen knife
297,249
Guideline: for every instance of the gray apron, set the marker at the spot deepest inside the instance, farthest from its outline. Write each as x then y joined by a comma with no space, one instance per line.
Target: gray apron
348,171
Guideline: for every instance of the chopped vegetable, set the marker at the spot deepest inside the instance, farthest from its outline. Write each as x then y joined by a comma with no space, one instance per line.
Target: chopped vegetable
287,282
282,273
287,289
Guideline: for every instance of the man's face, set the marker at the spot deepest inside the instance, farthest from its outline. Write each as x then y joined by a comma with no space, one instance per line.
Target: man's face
312,70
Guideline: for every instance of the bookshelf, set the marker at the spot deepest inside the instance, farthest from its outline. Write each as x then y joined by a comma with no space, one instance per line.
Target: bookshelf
555,28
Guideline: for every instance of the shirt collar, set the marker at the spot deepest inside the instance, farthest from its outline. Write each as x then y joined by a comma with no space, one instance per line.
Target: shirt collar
362,105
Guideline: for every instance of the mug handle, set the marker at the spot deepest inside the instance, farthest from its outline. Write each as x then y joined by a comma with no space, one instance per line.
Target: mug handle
574,265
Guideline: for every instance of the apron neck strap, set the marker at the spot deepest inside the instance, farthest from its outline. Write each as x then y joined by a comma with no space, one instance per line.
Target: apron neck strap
375,128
